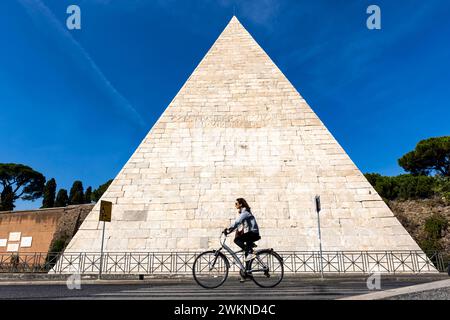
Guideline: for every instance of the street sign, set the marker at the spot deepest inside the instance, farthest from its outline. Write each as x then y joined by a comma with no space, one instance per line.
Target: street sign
318,208
105,211
105,216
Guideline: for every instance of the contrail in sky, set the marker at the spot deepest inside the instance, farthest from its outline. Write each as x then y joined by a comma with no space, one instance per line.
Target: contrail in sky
51,27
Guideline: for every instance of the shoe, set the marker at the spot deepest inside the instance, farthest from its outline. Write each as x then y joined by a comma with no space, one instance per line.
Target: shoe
243,276
250,257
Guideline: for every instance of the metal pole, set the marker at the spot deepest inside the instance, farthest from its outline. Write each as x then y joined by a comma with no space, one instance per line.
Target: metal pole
320,235
101,252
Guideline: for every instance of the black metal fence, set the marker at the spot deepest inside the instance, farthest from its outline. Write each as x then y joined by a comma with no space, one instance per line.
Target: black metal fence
181,262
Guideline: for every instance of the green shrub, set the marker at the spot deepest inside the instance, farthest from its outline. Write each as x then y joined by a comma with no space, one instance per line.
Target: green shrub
443,184
446,197
53,254
372,178
405,186
58,245
414,187
430,245
435,225
383,185
424,187
442,188
14,259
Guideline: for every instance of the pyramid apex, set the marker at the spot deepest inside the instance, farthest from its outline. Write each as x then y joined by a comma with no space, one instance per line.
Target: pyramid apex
235,26
234,20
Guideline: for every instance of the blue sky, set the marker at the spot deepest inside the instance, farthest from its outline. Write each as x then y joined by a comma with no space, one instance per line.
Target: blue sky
76,104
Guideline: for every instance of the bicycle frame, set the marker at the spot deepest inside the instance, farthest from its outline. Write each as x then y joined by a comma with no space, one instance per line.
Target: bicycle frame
231,252
234,255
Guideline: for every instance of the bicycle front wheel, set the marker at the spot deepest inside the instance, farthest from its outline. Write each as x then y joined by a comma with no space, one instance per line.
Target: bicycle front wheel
210,269
267,269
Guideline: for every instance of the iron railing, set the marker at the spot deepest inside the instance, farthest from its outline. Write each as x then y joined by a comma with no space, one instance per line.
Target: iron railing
181,262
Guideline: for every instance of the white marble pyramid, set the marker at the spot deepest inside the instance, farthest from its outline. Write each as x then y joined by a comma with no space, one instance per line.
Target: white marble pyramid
238,128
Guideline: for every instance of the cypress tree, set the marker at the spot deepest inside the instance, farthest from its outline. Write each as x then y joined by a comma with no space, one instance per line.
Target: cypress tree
76,195
62,199
88,195
49,194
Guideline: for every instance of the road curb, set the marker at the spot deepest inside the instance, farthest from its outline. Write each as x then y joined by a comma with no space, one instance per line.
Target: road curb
83,282
157,280
380,295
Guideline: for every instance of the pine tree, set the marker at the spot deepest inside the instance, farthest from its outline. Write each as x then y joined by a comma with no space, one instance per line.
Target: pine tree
430,156
62,199
7,199
49,194
88,195
18,181
76,195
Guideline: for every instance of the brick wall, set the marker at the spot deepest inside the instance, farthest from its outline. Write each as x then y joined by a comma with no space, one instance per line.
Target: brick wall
36,230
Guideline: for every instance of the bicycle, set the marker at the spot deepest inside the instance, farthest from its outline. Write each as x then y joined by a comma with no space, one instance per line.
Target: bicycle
210,268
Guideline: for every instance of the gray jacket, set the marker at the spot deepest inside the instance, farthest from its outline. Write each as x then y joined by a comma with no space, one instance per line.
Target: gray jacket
247,220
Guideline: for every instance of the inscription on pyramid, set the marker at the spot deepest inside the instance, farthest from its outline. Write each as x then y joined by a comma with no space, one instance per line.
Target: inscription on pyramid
238,128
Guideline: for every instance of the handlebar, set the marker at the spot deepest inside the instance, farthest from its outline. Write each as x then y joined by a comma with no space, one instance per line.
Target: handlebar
223,233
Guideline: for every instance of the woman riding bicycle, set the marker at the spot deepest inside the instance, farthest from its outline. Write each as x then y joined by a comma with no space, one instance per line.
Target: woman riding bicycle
264,267
249,233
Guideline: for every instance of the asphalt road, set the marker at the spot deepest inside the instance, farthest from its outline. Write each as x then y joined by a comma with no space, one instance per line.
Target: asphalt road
438,294
290,288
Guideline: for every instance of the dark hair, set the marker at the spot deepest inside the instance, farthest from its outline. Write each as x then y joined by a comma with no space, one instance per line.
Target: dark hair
244,203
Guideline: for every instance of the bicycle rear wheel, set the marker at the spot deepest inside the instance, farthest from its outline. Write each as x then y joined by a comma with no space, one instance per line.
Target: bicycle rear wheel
267,269
210,269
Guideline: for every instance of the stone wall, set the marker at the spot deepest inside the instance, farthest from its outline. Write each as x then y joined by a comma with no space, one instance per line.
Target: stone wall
37,230
70,221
